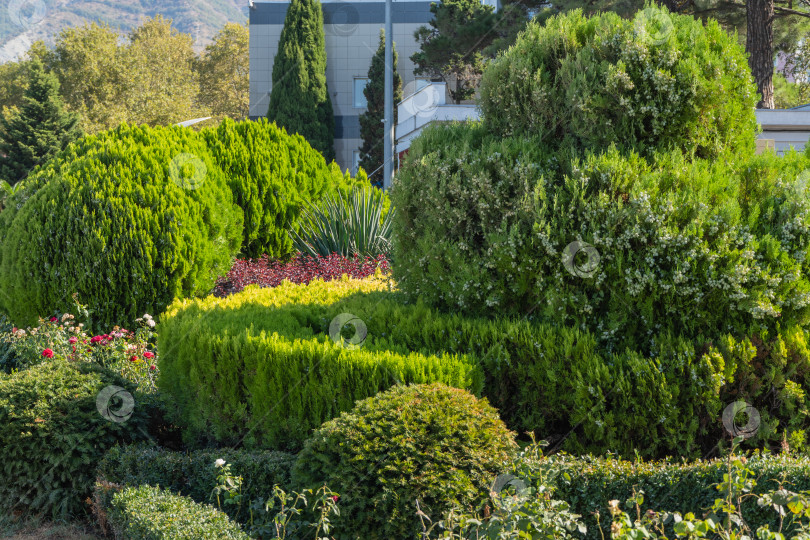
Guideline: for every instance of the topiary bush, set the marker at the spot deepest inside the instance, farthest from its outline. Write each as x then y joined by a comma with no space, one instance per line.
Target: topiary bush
433,443
272,176
150,513
264,367
52,433
193,473
626,247
659,81
129,219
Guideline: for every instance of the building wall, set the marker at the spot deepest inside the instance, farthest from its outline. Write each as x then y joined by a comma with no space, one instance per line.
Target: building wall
352,35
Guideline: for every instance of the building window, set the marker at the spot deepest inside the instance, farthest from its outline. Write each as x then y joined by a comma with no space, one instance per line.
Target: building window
359,98
355,161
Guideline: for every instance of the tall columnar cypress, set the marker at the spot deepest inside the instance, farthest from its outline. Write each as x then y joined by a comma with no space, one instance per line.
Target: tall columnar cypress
372,129
41,128
299,100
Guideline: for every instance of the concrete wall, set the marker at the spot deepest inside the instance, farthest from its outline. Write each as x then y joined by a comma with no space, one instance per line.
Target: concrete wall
787,128
352,34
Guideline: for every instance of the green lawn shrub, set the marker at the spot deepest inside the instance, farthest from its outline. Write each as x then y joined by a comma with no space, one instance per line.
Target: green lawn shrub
129,219
588,483
52,434
193,473
150,513
697,248
555,381
658,81
260,368
433,443
272,176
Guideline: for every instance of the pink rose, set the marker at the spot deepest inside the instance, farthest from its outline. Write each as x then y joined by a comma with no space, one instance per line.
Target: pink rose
73,339
148,354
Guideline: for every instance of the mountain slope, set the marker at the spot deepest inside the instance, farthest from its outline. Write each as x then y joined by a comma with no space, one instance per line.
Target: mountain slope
24,21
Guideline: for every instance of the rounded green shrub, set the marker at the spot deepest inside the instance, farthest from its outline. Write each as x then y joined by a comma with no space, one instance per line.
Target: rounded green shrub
626,247
659,81
433,443
272,175
129,219
52,433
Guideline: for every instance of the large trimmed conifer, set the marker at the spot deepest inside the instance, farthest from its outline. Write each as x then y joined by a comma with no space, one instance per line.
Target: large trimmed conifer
41,128
372,129
299,100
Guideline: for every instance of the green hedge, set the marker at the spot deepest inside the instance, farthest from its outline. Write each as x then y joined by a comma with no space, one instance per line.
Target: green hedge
52,434
149,513
259,368
588,483
554,381
129,219
272,176
690,247
193,474
433,443
658,81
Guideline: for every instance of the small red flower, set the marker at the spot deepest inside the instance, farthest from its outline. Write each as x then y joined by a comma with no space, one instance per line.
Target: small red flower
47,353
54,319
74,348
148,354
73,339
96,339
89,350
133,358
335,498
153,367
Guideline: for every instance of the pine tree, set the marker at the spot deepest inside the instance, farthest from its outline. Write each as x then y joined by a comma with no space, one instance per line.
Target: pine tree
41,128
299,100
372,129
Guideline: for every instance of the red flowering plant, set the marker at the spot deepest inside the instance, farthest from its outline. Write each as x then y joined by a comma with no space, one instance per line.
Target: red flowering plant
128,352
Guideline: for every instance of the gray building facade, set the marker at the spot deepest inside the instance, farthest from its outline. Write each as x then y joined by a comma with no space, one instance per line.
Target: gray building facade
352,32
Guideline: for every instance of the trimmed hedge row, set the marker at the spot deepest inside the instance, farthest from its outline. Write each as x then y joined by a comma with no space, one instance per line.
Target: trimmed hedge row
193,474
588,483
230,364
150,513
52,433
260,369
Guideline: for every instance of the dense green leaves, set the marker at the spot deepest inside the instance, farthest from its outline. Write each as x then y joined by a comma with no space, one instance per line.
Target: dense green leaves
150,513
264,367
272,176
659,81
193,473
39,130
129,219
438,445
299,99
52,434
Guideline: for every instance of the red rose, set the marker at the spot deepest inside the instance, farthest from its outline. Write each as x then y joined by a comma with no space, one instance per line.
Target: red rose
152,367
74,348
53,319
95,339
73,339
335,498
148,354
47,353
133,358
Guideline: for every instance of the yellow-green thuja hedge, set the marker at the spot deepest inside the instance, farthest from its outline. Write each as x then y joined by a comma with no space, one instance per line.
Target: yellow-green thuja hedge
260,365
260,369
129,219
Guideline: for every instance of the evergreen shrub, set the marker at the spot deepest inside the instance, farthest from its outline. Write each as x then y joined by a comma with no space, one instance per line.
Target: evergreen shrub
431,443
129,219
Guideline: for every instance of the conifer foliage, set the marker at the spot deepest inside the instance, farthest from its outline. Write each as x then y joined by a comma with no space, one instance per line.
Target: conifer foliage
41,128
299,100
372,129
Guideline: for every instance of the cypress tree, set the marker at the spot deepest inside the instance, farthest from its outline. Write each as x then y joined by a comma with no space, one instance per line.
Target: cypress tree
372,129
299,100
41,128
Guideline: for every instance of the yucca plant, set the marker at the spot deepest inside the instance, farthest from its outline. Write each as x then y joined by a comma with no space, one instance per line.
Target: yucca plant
350,225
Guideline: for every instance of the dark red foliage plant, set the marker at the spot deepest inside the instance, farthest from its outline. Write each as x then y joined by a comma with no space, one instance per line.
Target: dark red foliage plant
267,272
